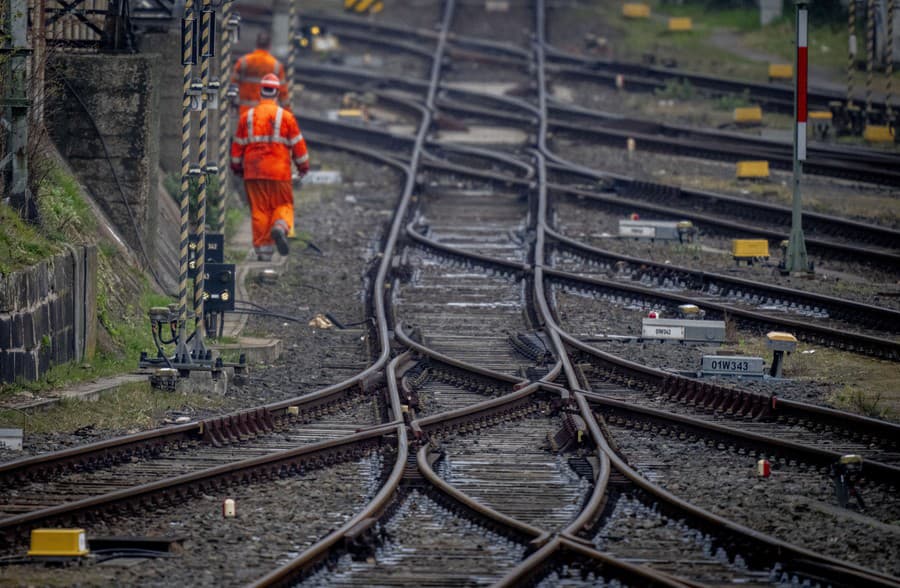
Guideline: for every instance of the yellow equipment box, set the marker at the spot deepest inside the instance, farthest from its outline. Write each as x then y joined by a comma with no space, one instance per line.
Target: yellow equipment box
636,10
819,115
878,134
749,114
680,24
781,71
58,543
752,169
749,248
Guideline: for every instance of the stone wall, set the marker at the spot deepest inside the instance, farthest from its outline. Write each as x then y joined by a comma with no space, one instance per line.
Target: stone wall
48,314
167,46
115,97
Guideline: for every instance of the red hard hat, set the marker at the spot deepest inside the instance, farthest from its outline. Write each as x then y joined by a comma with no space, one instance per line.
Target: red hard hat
270,81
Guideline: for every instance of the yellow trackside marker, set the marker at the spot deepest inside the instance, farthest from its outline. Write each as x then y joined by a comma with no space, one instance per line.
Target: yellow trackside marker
752,169
679,24
364,5
747,115
378,7
58,543
348,4
636,10
819,115
878,134
749,248
781,71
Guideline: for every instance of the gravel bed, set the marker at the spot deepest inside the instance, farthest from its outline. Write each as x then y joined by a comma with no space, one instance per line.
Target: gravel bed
276,520
347,222
514,26
866,202
795,505
585,317
712,253
428,542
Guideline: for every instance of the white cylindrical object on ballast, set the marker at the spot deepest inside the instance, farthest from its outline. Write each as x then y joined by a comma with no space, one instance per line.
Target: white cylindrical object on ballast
229,509
620,81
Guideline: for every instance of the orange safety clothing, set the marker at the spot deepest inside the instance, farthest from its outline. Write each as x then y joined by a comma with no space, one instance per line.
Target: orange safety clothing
271,202
267,139
248,73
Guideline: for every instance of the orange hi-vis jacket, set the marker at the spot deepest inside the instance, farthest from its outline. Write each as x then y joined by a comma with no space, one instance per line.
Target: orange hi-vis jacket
267,139
248,73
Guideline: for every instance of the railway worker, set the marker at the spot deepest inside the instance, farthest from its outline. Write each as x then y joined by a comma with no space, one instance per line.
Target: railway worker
268,139
250,70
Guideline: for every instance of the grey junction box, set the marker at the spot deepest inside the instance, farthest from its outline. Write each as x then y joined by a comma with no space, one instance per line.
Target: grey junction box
732,365
683,330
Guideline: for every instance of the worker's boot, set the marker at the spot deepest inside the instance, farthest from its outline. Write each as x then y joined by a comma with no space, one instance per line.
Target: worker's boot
264,253
280,236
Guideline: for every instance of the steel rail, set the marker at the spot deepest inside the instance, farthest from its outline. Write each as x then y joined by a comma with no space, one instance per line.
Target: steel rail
650,196
849,571
866,315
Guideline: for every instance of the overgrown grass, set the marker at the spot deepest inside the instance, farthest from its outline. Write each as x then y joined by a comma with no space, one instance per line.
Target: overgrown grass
21,244
132,406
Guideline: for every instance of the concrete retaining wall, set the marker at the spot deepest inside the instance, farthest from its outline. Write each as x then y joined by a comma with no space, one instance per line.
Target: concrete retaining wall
121,94
48,314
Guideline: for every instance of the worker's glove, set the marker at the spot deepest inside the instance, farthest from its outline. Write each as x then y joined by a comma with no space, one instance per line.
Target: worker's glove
237,169
303,169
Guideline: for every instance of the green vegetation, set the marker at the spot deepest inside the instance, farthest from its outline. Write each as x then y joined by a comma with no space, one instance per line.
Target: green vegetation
131,406
21,244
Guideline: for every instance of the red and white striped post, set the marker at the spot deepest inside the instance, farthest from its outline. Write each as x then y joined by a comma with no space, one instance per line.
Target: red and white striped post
796,260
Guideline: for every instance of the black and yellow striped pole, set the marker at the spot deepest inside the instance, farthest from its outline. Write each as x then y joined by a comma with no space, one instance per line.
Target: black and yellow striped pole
292,51
870,53
851,49
203,146
889,57
188,57
224,110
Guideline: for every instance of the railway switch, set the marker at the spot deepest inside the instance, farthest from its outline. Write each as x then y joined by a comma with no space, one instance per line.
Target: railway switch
780,343
58,543
749,250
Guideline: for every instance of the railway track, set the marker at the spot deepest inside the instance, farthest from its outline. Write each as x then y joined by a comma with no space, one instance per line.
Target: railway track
480,390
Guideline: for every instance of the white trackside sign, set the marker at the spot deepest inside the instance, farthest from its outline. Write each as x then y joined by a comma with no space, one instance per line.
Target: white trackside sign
662,332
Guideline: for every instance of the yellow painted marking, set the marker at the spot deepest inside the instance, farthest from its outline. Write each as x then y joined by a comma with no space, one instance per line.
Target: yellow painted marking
781,71
680,24
780,336
636,10
750,114
878,134
364,5
753,169
348,4
379,6
749,248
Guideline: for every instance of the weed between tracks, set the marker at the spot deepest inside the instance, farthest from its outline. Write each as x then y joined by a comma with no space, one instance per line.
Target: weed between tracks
859,384
131,407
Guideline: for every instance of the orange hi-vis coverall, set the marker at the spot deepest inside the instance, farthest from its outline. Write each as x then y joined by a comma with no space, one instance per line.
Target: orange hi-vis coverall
267,140
248,73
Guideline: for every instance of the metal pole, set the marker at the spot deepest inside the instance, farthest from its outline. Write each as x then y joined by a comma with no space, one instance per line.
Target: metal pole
292,51
851,50
200,231
889,57
796,260
182,355
224,118
870,54
20,197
